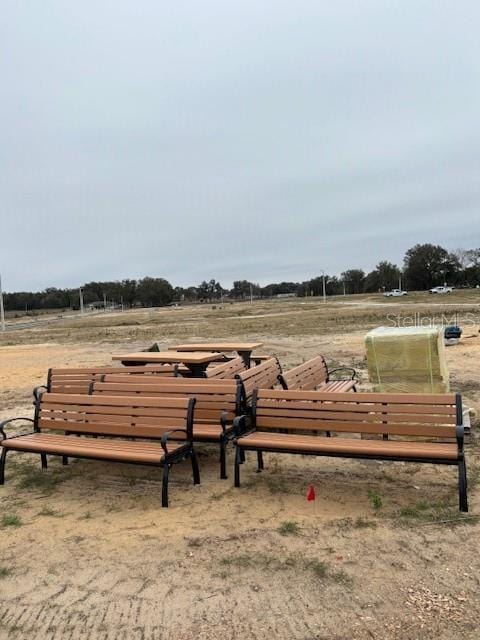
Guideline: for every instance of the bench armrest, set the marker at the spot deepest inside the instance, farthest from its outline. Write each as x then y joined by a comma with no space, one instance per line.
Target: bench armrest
167,434
37,393
353,373
241,424
224,421
459,434
5,422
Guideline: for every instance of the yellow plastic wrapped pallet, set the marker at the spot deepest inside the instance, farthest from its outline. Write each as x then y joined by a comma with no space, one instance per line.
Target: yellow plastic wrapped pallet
407,360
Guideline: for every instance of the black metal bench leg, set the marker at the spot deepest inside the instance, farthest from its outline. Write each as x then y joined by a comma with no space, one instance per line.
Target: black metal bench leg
238,457
2,465
195,469
462,486
259,461
223,459
242,456
166,469
64,460
43,457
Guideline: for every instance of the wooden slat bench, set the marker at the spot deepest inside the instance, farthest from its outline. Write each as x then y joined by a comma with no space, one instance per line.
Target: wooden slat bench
226,370
296,421
151,421
218,402
314,374
77,380
262,376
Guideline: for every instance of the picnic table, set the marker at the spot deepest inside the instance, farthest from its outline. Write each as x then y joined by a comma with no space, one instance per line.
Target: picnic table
195,361
244,349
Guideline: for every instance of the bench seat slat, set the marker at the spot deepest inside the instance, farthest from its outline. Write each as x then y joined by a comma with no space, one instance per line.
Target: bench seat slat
337,386
262,440
121,450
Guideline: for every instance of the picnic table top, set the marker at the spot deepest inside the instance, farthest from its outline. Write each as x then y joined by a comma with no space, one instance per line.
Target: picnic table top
188,357
217,346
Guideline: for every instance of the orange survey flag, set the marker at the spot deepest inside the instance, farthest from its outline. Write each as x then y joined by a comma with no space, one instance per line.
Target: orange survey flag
311,493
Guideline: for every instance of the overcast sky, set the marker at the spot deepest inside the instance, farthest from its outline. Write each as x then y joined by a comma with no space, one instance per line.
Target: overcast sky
264,140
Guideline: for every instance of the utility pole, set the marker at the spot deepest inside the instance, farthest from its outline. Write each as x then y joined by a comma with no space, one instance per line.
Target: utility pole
105,302
400,282
81,300
344,292
2,312
121,301
323,286
251,294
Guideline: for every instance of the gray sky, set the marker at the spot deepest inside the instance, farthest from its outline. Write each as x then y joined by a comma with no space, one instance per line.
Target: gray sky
220,139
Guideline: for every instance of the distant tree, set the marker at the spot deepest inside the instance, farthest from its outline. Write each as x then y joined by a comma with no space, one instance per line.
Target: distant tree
354,280
154,292
428,265
128,292
385,276
241,289
314,287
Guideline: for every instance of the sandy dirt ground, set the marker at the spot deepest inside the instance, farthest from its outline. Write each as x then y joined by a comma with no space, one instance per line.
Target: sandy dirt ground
87,552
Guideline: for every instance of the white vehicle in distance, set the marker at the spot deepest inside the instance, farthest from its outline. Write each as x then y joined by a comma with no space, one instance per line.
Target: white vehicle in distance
441,290
394,293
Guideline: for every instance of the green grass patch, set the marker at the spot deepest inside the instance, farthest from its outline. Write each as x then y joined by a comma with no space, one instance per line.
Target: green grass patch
375,500
364,523
5,572
319,568
289,528
47,511
44,480
442,513
10,520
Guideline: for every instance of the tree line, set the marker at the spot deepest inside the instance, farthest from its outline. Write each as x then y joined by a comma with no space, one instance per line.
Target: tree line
424,266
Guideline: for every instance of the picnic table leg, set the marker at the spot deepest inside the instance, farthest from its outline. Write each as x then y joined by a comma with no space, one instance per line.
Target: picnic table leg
197,370
43,457
245,355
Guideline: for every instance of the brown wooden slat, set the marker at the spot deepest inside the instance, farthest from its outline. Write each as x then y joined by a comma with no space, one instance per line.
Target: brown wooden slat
346,446
388,398
324,414
448,410
131,410
120,450
119,429
355,427
184,386
117,401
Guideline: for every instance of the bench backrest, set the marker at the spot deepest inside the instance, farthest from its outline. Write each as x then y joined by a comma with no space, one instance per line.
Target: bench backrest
226,369
141,417
426,415
262,376
77,380
213,397
306,376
